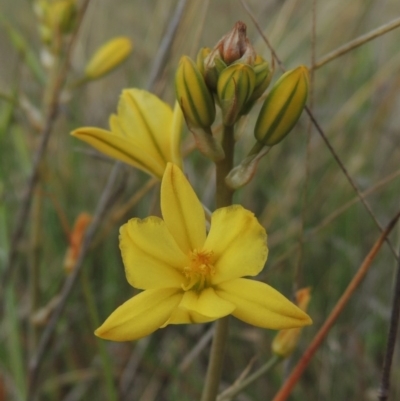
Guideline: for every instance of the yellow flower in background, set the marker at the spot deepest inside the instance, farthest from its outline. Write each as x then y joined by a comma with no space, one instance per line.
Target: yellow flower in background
286,341
145,133
191,277
108,57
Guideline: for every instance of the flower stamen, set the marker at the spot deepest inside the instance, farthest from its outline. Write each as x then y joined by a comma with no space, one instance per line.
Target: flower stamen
199,270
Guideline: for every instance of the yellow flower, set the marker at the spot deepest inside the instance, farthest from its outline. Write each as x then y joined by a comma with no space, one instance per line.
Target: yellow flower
286,341
145,133
108,57
189,277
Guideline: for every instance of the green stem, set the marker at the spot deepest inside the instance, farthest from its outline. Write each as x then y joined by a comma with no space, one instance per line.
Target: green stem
224,196
94,317
224,193
238,387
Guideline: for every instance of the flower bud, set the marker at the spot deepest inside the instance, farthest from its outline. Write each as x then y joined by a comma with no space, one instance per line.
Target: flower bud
56,17
286,341
201,56
193,96
263,78
108,57
235,86
75,241
212,69
282,107
235,46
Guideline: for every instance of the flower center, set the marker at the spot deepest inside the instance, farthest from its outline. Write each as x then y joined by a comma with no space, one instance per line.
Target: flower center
199,271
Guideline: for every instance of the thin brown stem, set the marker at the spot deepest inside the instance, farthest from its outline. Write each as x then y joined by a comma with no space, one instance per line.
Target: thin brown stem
294,377
349,179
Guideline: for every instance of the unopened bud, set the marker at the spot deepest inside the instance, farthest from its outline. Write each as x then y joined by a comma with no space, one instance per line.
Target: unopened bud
75,241
56,17
235,45
286,341
282,107
201,56
108,57
263,78
193,96
235,87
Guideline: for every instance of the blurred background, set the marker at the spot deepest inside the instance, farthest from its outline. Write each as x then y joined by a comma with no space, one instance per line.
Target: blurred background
319,232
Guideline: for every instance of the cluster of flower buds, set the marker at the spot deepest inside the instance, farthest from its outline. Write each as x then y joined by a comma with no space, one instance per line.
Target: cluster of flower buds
235,73
232,72
233,76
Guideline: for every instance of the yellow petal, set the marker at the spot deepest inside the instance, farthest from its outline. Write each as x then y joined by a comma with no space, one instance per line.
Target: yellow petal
181,210
206,303
175,135
238,243
140,316
152,259
183,316
261,305
120,148
147,120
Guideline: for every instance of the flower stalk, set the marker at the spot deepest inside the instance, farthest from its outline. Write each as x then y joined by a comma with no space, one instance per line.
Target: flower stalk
224,195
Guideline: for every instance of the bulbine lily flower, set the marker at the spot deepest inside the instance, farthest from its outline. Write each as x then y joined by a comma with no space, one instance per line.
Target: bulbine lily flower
191,277
145,133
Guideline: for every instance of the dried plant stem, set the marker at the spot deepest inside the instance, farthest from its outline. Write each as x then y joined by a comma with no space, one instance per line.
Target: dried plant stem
224,196
349,179
237,387
51,116
356,43
293,378
391,341
34,263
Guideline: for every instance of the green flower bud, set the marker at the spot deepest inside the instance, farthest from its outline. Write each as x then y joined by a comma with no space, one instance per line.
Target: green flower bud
235,87
263,77
201,56
282,107
213,66
193,96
